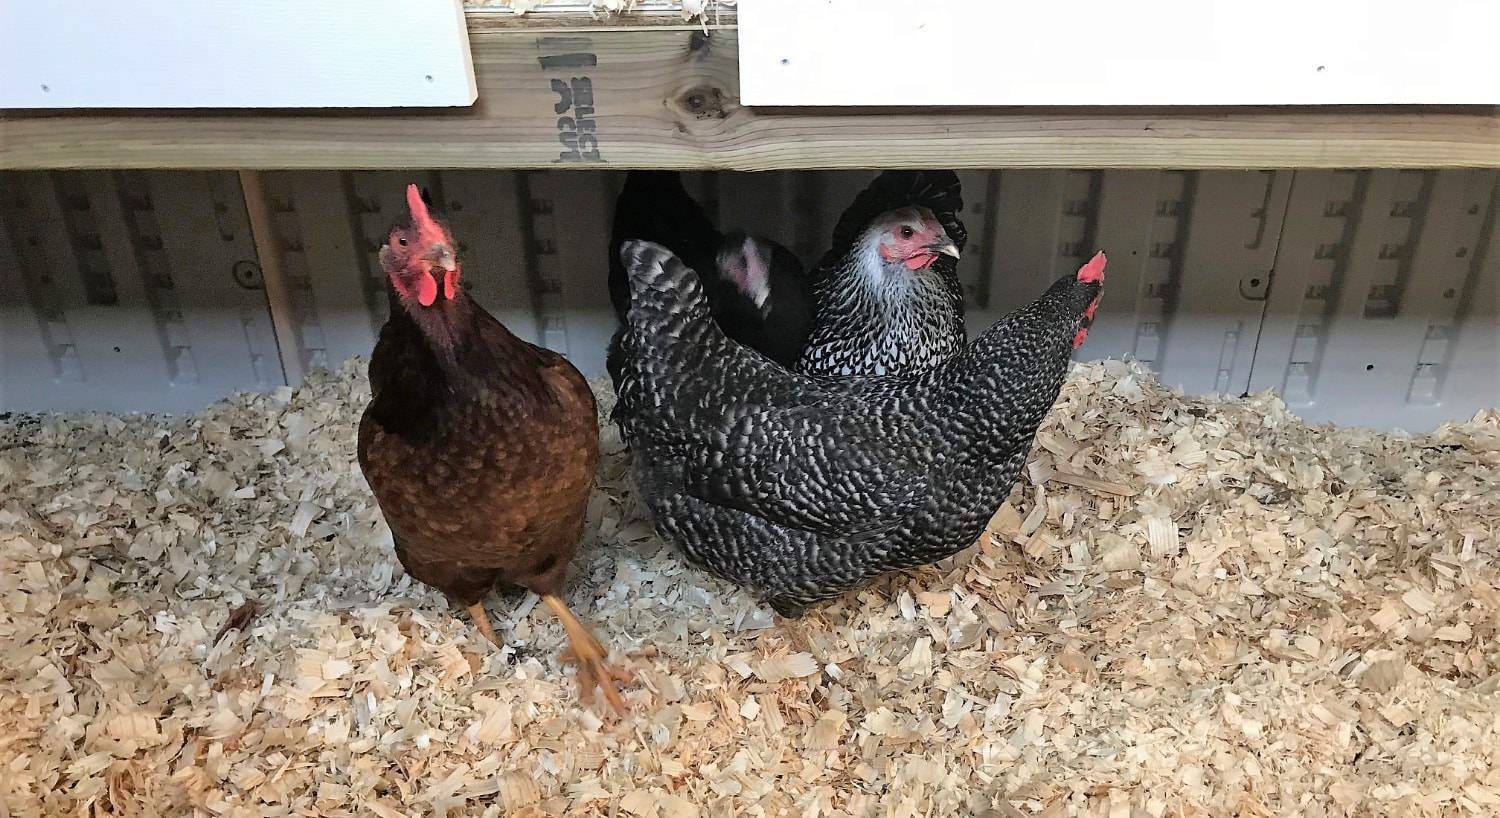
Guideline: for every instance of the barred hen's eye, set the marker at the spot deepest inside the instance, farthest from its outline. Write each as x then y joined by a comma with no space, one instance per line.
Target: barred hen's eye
906,232
401,242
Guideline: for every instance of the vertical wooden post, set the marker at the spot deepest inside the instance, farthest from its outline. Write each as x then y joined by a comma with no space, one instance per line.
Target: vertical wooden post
278,290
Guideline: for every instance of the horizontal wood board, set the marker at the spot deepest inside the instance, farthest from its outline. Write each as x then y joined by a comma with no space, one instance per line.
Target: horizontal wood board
667,97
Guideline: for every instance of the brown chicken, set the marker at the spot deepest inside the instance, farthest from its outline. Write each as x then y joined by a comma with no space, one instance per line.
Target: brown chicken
479,447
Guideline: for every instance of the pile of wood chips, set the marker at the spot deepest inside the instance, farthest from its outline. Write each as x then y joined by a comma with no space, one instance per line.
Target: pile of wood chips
1187,607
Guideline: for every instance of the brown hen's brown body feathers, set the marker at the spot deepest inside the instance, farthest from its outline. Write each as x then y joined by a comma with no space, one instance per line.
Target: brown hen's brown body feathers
481,449
481,452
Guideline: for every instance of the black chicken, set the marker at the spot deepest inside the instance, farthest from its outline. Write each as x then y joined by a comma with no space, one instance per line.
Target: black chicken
758,291
887,294
803,487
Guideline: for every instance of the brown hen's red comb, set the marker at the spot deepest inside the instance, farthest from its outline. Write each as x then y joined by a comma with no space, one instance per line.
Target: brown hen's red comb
428,230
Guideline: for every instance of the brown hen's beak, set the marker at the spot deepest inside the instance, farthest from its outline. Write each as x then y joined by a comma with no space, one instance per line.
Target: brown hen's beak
443,258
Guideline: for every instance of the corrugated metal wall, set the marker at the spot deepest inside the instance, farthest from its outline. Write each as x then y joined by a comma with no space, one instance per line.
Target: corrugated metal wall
1362,296
129,291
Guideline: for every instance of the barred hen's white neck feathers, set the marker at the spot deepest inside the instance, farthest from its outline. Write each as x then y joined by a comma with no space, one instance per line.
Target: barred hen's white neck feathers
876,316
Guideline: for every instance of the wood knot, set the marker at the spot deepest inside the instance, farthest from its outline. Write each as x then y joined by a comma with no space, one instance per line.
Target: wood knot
703,102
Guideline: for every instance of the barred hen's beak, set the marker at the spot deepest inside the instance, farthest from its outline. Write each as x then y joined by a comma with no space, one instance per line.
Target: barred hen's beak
947,248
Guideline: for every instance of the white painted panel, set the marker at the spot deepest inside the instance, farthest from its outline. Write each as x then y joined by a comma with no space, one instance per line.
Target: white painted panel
267,54
1104,52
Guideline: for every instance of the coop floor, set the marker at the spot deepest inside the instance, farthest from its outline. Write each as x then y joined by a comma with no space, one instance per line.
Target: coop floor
1187,607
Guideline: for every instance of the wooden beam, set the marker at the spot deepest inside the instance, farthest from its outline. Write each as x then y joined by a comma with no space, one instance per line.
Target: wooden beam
273,275
490,19
666,96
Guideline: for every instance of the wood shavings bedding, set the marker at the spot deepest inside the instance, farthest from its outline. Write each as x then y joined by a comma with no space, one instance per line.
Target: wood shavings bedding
1187,607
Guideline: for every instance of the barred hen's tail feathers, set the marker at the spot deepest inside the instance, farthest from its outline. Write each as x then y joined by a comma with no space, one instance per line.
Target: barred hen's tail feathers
665,294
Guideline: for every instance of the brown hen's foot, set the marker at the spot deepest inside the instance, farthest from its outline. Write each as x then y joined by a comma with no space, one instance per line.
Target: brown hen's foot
590,656
481,619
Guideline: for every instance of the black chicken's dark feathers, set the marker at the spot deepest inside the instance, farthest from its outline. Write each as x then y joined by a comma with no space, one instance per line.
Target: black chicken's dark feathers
654,206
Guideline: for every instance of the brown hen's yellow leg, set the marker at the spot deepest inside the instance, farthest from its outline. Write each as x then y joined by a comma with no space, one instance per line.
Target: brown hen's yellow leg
590,656
481,619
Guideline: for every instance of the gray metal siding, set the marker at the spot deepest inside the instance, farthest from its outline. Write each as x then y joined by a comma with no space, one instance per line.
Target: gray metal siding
1362,297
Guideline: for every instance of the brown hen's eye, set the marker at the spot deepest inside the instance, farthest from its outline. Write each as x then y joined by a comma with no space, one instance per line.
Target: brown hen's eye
906,232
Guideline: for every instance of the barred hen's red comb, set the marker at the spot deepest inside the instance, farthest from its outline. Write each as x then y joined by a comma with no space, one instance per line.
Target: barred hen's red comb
1089,273
1094,269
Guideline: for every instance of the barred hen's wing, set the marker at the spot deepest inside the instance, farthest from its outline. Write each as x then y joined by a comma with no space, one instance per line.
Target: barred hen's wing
832,467
937,190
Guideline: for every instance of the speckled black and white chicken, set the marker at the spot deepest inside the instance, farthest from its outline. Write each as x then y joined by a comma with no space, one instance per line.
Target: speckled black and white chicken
801,487
888,299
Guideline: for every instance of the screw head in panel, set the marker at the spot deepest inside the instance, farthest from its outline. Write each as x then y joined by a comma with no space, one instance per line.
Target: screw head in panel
247,274
1255,286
